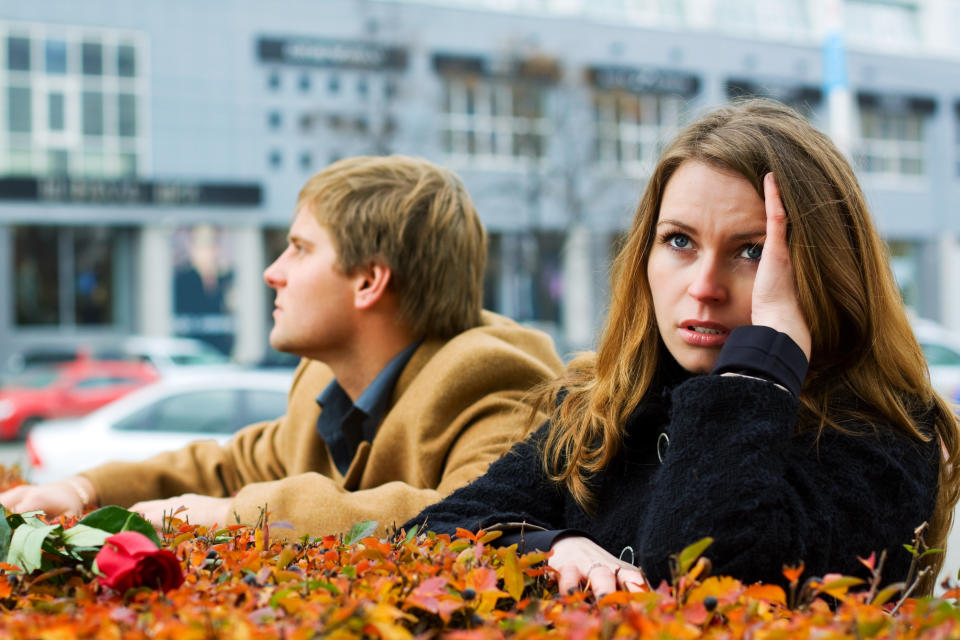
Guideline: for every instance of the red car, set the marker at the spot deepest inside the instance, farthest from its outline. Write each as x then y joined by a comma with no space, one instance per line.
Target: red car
69,389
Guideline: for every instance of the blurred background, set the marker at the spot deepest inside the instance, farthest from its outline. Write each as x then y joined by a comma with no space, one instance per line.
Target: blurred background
151,153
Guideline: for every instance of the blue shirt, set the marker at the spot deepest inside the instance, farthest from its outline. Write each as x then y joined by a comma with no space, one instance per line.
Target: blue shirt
344,424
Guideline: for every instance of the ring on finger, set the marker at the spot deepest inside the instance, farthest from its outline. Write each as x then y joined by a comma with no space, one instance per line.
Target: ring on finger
595,564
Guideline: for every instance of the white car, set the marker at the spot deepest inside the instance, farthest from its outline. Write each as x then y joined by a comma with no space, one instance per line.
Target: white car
166,415
167,354
941,347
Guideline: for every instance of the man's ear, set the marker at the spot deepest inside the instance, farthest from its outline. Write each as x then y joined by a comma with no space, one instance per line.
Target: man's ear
370,284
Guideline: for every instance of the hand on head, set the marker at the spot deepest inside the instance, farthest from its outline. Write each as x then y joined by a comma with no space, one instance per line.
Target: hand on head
775,302
582,563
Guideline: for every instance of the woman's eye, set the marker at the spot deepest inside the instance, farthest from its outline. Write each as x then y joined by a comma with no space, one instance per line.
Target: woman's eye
752,252
678,241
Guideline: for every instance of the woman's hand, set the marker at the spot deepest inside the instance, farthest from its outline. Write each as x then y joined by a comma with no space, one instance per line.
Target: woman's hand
775,302
581,562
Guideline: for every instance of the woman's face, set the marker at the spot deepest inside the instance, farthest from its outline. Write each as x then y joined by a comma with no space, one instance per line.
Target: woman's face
709,236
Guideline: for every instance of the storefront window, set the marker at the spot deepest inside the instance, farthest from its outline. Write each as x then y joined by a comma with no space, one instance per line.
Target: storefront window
65,275
524,276
202,286
93,275
36,268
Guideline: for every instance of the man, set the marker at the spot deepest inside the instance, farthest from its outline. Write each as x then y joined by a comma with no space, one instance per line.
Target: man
406,390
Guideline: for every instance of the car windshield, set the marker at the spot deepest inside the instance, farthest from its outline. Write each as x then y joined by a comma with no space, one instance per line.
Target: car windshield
34,378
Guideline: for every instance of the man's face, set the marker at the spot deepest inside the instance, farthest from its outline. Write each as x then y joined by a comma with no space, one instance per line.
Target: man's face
314,306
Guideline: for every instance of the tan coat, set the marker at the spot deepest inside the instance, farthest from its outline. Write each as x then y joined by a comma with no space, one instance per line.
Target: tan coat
457,406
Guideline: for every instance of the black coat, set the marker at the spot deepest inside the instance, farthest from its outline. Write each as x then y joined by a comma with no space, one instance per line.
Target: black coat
736,469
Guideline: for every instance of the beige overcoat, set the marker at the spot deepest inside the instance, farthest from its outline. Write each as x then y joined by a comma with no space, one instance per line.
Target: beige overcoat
457,406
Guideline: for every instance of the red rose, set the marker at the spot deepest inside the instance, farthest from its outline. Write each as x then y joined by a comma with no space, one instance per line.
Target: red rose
130,559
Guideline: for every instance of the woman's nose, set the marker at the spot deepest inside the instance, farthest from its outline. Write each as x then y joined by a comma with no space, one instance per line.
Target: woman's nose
708,283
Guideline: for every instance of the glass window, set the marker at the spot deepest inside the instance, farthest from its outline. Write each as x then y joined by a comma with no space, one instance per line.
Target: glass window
55,116
362,87
891,142
938,355
273,80
56,56
58,162
306,160
128,164
872,22
92,113
92,58
273,119
36,259
126,61
93,276
127,115
487,121
18,53
262,405
304,82
632,127
275,159
198,411
19,111
333,83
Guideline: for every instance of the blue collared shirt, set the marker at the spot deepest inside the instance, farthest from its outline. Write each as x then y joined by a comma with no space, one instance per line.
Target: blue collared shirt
344,424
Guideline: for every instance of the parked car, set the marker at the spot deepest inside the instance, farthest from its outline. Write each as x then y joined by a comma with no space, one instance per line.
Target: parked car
167,354
69,389
168,414
941,347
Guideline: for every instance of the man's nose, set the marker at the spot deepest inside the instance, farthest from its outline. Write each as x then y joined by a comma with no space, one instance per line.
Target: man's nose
708,283
273,275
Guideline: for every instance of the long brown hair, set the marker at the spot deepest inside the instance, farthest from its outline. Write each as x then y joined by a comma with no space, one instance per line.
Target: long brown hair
862,340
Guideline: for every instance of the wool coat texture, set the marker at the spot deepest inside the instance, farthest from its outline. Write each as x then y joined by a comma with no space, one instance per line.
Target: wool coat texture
736,469
457,406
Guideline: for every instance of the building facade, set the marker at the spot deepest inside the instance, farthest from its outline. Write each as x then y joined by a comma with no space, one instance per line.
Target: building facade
151,154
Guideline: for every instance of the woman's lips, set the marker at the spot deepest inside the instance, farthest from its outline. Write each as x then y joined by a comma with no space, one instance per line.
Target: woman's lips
702,333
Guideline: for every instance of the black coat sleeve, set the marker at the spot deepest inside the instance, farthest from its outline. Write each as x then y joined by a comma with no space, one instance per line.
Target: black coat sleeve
737,471
514,490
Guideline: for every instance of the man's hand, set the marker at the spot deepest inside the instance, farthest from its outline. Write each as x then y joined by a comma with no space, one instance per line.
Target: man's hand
54,499
201,510
581,562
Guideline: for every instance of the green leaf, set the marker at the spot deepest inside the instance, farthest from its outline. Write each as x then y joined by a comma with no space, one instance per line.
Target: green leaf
888,592
360,530
26,546
6,533
82,535
116,519
689,555
411,534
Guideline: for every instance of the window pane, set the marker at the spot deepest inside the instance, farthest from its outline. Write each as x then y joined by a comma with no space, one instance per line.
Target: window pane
18,54
18,110
55,119
56,54
92,58
57,162
126,61
36,275
198,411
127,109
93,273
92,113
263,405
128,165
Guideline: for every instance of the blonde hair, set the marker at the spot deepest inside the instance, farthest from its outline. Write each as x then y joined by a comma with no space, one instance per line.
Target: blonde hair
417,218
862,340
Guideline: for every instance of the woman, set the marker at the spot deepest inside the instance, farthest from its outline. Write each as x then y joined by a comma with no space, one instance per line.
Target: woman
752,254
